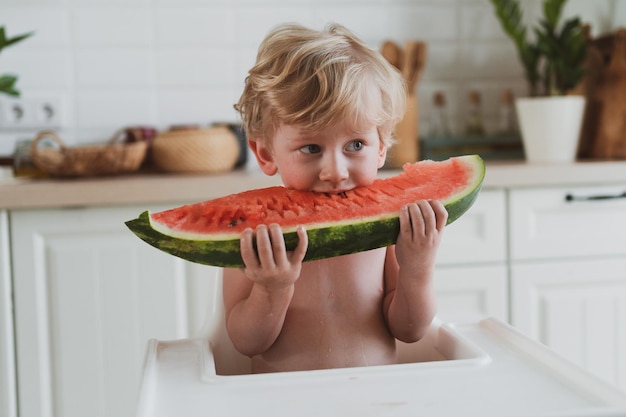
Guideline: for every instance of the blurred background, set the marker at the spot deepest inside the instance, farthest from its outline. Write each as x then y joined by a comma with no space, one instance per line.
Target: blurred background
107,64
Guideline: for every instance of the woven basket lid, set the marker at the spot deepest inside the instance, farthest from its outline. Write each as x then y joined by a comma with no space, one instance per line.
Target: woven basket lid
208,150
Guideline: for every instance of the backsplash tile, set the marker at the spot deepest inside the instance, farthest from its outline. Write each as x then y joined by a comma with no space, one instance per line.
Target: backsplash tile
197,26
51,24
39,68
196,106
442,62
110,110
195,67
426,21
110,67
367,20
112,26
116,63
477,23
253,22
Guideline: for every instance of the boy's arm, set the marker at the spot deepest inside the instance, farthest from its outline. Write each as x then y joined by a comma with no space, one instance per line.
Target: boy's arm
256,298
254,315
409,303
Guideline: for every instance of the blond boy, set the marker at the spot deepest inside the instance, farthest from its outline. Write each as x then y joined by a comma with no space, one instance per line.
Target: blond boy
319,108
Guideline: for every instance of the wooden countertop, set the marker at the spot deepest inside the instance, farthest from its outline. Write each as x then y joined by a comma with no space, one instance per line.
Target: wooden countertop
24,193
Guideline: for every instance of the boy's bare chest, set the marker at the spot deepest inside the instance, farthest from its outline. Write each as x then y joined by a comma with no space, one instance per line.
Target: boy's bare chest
335,318
345,283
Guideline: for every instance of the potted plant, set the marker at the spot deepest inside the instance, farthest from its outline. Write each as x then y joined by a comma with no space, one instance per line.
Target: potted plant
8,81
554,64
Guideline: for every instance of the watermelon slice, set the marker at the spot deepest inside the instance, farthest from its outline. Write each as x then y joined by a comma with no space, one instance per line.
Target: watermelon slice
337,224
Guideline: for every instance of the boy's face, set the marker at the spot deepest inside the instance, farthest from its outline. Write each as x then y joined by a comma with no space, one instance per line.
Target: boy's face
333,160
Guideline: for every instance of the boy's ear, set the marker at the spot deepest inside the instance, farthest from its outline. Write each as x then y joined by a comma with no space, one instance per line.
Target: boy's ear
263,156
382,154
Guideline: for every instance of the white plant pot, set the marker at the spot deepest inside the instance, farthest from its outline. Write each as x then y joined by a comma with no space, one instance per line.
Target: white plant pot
550,127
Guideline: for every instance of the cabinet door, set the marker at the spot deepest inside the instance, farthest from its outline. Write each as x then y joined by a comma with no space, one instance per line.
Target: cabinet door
578,308
567,222
8,400
469,292
479,235
88,296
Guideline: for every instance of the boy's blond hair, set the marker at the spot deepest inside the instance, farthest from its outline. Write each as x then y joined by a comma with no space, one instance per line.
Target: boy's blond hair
316,79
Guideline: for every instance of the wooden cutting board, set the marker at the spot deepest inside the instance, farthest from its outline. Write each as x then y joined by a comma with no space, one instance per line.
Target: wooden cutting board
604,132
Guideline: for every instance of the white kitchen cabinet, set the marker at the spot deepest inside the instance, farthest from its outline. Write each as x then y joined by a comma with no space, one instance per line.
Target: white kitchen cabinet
88,297
568,222
471,276
568,273
480,235
8,399
578,308
472,291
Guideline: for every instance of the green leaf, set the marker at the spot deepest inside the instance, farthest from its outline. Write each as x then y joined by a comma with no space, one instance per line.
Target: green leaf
10,92
18,38
555,60
7,85
510,16
552,11
572,56
7,80
6,42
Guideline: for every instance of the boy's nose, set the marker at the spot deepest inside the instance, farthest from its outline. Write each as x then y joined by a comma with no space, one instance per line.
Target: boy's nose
334,169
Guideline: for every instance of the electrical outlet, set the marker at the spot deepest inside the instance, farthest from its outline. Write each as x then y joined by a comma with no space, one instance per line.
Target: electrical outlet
13,114
37,113
47,112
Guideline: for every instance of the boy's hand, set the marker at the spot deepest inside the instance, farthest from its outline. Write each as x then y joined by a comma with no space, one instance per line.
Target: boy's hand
421,228
271,265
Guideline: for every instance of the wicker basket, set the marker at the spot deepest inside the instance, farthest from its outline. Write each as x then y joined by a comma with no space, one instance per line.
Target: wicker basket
86,161
209,150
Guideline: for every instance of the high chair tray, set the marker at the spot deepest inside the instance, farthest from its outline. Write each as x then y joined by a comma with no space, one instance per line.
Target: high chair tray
485,368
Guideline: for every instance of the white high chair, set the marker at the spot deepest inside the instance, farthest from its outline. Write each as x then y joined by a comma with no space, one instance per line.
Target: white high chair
480,367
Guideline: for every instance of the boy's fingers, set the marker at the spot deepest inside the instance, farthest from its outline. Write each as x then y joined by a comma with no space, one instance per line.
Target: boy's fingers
278,243
264,245
405,220
441,214
303,242
428,215
417,219
276,236
248,254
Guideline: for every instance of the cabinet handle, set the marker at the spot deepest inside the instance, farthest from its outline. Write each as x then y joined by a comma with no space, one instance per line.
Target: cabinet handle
571,197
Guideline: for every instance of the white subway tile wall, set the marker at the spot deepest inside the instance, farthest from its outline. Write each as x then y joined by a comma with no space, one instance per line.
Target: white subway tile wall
118,63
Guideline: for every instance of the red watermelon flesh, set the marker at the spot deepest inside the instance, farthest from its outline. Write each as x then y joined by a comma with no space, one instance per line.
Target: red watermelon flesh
226,217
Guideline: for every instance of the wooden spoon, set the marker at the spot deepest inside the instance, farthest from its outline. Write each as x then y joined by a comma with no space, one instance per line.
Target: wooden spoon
415,58
393,54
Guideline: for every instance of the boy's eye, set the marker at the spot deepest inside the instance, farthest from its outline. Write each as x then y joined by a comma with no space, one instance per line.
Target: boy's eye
355,145
310,149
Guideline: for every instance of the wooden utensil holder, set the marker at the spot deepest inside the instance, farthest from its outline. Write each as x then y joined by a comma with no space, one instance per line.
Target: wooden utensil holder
406,149
410,61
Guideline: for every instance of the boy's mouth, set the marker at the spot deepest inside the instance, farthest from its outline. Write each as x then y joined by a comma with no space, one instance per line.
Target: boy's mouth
339,191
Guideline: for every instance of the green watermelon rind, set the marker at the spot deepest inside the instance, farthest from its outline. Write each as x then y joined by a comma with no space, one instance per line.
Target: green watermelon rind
324,242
